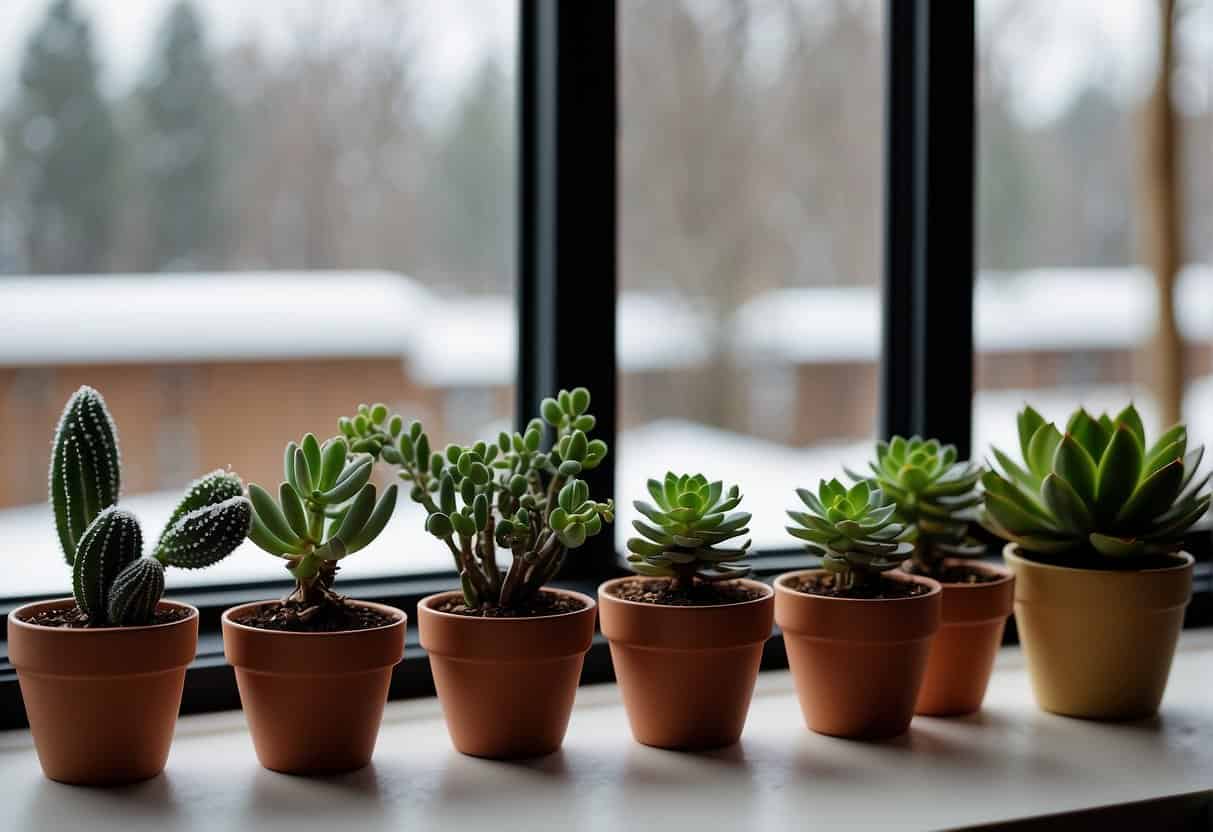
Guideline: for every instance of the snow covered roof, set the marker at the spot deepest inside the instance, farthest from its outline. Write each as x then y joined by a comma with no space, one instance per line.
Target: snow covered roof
1036,309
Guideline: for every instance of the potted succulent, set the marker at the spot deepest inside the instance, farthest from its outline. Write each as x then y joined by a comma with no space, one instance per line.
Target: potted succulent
857,632
936,497
1095,520
101,673
314,668
506,652
687,632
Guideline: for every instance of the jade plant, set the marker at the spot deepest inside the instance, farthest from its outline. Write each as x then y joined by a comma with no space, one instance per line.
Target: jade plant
855,531
112,581
936,497
690,518
326,510
510,494
1097,495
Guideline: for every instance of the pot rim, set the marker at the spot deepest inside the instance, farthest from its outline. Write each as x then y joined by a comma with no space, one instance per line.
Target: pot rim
15,619
1011,552
689,608
427,604
934,588
1003,572
401,618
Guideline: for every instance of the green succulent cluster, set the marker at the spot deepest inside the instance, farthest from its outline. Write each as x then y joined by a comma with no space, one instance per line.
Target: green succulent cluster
510,493
326,510
690,518
936,497
1097,494
855,531
111,581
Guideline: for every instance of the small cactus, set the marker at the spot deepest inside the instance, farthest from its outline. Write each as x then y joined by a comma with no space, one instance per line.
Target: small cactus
110,542
135,592
112,584
85,474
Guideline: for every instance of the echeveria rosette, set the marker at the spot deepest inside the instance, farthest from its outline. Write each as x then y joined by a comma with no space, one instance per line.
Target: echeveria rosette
689,517
855,531
326,510
1097,494
510,493
936,497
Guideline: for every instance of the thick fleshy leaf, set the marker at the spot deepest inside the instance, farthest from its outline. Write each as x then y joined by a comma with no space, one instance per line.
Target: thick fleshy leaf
1153,497
1066,505
1118,473
1132,420
1028,422
1077,467
1013,518
1042,448
1117,547
1088,432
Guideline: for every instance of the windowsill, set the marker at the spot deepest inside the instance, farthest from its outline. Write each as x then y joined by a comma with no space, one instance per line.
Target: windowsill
1012,762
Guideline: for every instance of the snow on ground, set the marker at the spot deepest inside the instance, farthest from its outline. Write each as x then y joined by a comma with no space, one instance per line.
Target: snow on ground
767,472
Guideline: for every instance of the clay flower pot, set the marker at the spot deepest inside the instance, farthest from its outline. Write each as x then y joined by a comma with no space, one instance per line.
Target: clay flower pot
1099,642
970,633
858,663
506,684
686,674
314,701
102,703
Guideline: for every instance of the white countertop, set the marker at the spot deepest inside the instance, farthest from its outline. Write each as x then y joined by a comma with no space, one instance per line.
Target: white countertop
1010,762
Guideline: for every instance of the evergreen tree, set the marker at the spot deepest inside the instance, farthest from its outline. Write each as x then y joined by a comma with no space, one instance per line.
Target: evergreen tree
179,152
61,142
475,182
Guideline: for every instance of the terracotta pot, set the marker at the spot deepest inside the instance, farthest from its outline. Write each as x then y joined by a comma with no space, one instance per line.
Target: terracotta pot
1099,642
686,674
102,703
970,633
506,684
858,663
314,701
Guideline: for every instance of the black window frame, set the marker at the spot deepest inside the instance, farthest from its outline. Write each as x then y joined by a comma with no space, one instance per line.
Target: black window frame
567,289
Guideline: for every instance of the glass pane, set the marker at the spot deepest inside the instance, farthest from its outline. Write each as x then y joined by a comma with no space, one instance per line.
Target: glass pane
239,220
750,253
1068,308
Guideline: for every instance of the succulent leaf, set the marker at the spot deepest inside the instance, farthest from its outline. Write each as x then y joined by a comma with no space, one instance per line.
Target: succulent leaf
206,535
111,541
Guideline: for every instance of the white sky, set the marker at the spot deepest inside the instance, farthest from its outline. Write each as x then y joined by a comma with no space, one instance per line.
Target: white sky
1058,45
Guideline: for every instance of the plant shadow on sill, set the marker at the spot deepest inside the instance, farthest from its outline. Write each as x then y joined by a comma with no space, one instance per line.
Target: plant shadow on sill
646,766
477,779
52,805
314,795
954,745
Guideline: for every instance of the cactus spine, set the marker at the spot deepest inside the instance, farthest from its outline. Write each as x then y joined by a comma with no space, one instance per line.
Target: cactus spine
85,474
110,542
135,592
112,584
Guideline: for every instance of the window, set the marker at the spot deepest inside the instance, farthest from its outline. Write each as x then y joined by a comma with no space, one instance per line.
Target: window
749,245
240,220
1068,309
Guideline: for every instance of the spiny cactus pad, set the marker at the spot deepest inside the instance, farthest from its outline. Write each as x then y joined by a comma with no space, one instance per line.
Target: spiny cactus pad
135,592
215,487
206,535
85,475
111,541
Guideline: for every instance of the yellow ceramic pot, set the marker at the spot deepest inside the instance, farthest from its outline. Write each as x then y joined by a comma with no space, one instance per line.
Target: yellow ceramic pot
1099,642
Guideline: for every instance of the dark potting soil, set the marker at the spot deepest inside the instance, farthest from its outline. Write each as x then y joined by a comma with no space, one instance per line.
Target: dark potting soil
293,617
545,603
74,618
961,575
660,591
825,585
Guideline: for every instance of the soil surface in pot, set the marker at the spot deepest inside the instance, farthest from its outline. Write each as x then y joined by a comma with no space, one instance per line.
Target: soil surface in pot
961,575
884,588
660,591
293,617
74,618
545,603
